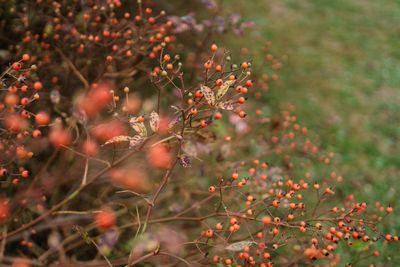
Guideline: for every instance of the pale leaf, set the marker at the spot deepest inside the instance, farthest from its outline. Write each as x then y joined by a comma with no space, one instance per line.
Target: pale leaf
136,140
226,105
224,88
138,126
208,94
154,121
118,139
239,246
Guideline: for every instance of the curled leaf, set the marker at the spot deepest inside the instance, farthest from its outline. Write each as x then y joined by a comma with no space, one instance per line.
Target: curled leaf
184,161
154,121
224,88
208,94
138,126
118,139
239,246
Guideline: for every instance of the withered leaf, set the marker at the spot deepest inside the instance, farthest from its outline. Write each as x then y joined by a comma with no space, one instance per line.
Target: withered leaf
208,94
138,126
239,246
226,105
224,88
154,121
184,161
118,139
136,140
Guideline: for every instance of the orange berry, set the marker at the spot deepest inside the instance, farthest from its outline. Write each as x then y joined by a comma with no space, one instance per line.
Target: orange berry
37,85
209,233
25,174
208,64
90,147
388,237
42,118
16,66
218,116
199,94
36,133
249,83
105,219
167,57
211,189
25,57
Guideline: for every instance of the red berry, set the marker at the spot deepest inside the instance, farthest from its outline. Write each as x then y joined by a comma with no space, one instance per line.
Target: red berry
42,118
36,133
37,85
105,219
16,66
25,57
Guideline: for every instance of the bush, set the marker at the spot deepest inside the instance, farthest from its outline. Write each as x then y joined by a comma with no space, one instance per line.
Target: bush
123,144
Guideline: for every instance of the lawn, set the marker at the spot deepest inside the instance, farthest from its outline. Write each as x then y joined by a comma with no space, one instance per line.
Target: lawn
341,69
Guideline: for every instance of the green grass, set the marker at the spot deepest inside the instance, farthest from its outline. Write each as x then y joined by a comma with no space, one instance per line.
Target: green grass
341,69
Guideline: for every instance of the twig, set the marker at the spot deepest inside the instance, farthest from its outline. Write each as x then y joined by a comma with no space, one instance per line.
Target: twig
74,69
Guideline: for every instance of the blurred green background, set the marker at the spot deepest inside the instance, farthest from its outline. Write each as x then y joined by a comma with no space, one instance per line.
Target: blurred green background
341,69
